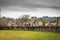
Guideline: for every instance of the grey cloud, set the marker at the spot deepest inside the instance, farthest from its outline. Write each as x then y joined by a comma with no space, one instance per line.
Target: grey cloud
20,9
30,4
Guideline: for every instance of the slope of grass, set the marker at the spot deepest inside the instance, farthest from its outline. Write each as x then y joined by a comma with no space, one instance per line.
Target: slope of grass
28,35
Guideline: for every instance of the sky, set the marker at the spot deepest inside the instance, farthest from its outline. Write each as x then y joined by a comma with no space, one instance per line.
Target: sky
38,8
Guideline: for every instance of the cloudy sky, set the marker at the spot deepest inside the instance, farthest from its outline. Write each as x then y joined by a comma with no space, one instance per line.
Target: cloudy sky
39,8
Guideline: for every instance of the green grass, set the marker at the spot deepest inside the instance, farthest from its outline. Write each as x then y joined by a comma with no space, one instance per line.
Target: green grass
28,35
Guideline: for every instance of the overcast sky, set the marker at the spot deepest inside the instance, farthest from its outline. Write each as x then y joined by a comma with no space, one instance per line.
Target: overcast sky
39,8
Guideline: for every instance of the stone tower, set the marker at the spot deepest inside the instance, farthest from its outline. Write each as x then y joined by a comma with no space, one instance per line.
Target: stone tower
58,21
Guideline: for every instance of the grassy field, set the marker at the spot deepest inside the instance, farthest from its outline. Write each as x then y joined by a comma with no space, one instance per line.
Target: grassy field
28,35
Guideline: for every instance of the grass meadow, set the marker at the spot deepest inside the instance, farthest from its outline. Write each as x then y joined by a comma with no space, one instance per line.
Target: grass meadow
28,35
